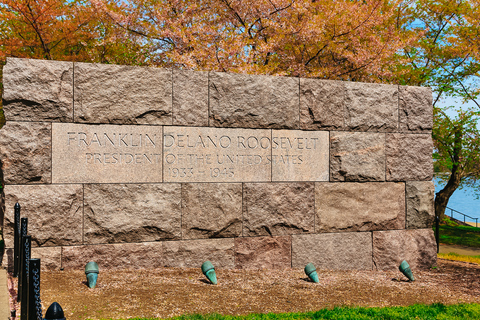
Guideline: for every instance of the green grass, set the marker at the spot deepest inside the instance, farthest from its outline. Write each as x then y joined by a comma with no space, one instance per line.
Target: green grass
461,235
435,311
457,257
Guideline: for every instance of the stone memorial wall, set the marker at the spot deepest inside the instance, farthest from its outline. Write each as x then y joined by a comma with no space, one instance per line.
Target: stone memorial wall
146,167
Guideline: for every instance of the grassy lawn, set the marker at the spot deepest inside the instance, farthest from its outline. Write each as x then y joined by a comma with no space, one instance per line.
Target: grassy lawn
458,257
461,235
435,311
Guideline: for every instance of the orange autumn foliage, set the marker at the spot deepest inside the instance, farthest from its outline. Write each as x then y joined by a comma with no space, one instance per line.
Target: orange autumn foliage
344,39
360,40
63,30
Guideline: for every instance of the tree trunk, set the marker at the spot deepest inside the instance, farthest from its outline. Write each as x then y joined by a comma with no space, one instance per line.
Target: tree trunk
442,197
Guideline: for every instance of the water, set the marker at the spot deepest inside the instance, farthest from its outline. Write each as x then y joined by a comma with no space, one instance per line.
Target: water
463,200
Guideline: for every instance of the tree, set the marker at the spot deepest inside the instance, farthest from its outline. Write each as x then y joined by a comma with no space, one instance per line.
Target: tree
349,40
457,153
70,30
447,58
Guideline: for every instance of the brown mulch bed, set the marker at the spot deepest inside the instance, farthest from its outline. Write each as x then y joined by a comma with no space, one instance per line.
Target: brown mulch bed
170,292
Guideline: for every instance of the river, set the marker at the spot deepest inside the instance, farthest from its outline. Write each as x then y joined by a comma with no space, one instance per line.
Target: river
463,200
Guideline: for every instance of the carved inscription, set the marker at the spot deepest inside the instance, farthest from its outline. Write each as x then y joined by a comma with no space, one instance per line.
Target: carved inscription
300,155
84,153
106,153
216,154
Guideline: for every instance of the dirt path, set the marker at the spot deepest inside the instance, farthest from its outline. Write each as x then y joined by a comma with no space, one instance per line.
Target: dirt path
4,306
168,292
463,250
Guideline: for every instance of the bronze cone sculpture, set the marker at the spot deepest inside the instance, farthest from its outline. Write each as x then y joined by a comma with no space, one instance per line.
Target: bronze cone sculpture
405,269
91,271
311,272
209,271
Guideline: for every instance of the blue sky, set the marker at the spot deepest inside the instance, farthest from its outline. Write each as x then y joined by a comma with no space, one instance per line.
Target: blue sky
457,102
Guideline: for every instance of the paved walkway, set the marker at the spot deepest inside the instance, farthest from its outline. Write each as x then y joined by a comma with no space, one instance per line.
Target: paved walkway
4,305
473,224
463,250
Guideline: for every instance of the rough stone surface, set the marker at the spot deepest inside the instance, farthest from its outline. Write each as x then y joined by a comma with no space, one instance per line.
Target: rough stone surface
299,155
114,256
334,251
322,104
357,156
132,212
25,152
192,253
415,108
409,157
198,154
236,188
420,204
190,98
354,206
211,210
263,253
54,213
122,94
251,101
273,209
417,247
106,153
7,259
371,107
50,257
38,90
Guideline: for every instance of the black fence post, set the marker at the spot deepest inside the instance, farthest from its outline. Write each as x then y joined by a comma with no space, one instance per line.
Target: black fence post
27,243
23,233
34,303
16,239
437,232
55,312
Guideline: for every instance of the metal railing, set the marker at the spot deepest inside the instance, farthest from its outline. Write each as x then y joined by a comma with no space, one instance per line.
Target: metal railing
464,216
27,270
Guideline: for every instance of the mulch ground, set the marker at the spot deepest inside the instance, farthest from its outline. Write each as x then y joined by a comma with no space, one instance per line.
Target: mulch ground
168,292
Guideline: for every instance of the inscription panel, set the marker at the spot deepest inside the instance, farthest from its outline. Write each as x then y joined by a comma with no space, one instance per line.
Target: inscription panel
300,155
106,153
216,155
83,153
